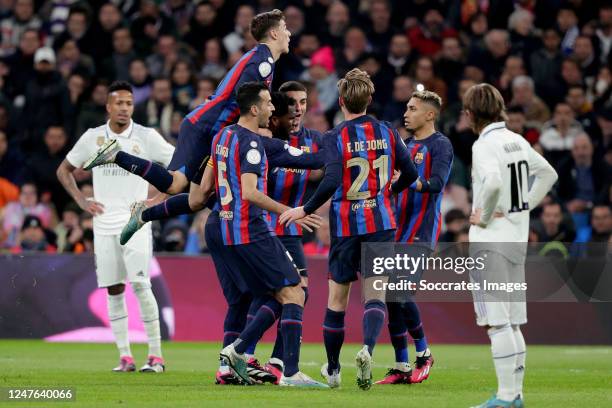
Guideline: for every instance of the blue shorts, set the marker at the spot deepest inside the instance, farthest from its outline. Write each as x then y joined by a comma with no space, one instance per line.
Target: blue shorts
192,152
226,264
269,267
345,254
293,244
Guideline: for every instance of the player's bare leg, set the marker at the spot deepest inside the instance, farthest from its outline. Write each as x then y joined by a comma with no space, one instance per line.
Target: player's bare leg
118,317
333,330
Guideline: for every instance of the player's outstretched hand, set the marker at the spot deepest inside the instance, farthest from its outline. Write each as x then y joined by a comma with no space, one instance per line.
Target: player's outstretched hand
310,222
292,215
91,206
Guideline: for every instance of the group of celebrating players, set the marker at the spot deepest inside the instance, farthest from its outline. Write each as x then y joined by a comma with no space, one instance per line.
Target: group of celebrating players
247,156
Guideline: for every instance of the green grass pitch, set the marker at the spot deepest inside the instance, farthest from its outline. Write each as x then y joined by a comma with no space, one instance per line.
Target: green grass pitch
557,376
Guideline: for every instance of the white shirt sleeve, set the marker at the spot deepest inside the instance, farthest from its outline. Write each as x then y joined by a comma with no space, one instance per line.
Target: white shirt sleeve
545,177
83,149
159,149
487,167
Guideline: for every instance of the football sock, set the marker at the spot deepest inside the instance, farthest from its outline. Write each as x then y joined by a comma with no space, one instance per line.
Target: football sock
373,319
521,355
333,337
256,303
117,314
155,174
150,316
398,333
172,207
503,349
264,318
412,317
235,320
277,351
291,326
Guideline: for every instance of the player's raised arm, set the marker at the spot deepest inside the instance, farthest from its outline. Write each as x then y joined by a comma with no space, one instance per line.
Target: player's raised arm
280,154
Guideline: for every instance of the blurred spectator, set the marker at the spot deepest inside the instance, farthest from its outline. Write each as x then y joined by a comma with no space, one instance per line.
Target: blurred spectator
394,109
183,90
517,122
68,231
21,66
559,133
582,176
451,63
13,27
149,25
338,20
47,101
381,77
34,237
567,23
8,192
166,54
76,91
322,72
11,161
174,236
524,41
400,56
455,221
203,26
545,66
205,88
41,166
492,58
157,110
523,95
551,226
294,18
116,66
603,34
180,11
140,80
70,60
93,112
234,41
214,60
585,56
55,13
77,29
15,213
576,99
426,38
380,30
513,68
601,89
601,223
355,46
108,20
424,74
571,73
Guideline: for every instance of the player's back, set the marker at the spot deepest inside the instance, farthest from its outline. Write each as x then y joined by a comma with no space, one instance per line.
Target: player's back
362,203
221,108
499,151
236,150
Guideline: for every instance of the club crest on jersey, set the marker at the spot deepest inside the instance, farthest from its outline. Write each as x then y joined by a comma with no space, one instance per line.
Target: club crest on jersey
265,69
418,158
253,156
136,149
100,140
294,151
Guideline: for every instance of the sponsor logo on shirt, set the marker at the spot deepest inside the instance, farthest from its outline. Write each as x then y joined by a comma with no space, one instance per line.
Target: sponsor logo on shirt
370,203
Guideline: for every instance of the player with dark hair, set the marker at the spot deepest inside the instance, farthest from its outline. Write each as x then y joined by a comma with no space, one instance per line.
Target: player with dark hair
199,127
237,172
362,154
418,224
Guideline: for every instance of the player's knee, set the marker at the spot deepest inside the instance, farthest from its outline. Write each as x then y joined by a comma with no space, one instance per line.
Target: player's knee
196,200
179,182
141,286
337,301
116,289
291,294
492,330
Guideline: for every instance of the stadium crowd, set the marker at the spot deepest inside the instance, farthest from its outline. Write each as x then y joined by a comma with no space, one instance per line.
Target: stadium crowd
549,58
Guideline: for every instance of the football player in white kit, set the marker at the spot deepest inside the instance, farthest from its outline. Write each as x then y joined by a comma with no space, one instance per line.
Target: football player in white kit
503,163
114,190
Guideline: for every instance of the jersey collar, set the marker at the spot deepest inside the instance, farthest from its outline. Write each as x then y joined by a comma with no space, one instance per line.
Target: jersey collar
491,127
125,134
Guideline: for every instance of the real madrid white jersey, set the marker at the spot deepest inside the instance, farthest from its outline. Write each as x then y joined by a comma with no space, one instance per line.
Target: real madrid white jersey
113,186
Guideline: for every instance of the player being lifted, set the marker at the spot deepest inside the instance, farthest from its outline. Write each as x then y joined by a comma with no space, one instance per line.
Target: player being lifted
503,163
418,223
199,127
237,171
114,190
362,155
